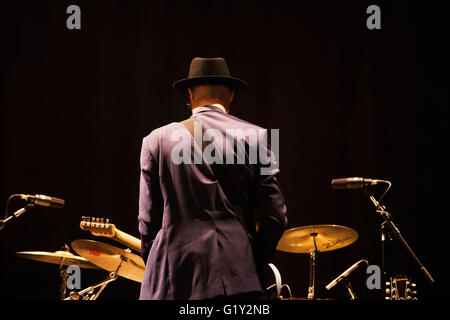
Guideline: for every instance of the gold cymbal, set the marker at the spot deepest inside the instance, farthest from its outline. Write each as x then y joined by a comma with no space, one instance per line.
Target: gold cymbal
110,258
65,258
324,237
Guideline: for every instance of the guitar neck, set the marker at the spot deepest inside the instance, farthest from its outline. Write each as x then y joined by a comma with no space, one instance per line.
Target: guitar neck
127,240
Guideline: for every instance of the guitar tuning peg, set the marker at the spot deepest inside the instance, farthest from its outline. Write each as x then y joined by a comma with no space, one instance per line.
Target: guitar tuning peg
102,220
107,220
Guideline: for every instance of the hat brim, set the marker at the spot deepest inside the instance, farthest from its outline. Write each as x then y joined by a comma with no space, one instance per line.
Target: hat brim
233,83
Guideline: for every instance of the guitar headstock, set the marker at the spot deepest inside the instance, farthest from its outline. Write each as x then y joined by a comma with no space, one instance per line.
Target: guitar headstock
401,288
99,227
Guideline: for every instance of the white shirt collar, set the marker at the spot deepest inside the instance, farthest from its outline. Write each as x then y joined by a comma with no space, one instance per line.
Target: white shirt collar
221,107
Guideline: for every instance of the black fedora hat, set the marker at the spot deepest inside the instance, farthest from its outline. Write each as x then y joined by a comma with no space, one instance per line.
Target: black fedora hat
209,71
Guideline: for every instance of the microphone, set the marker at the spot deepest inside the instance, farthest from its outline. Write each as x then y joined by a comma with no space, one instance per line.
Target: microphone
344,275
42,200
354,183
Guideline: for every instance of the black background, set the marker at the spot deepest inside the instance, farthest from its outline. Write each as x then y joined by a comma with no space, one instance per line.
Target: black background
349,101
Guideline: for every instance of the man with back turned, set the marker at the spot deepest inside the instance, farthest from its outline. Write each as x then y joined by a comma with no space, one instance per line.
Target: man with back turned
208,227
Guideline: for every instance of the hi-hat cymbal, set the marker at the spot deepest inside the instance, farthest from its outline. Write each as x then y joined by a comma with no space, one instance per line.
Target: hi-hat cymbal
110,258
324,237
65,258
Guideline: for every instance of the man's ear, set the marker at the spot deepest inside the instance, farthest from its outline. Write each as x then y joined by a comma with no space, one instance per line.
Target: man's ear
231,96
191,94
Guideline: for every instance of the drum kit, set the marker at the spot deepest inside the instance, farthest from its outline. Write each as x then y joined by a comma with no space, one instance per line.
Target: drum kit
92,255
303,240
312,240
122,262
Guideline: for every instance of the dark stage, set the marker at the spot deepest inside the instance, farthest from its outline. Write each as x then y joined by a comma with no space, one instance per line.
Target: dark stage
348,101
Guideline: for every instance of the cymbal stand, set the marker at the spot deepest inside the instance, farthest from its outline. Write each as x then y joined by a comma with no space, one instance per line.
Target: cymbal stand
312,269
63,282
387,222
63,274
90,295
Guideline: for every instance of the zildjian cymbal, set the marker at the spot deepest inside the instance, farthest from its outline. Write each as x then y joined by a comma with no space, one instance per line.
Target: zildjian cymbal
319,238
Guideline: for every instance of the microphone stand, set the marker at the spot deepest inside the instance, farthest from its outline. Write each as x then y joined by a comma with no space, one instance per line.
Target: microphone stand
349,288
16,214
396,232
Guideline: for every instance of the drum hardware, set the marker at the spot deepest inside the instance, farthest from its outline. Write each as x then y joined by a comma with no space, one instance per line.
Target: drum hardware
117,261
289,292
63,274
110,258
89,293
97,255
63,258
270,278
312,268
278,285
312,240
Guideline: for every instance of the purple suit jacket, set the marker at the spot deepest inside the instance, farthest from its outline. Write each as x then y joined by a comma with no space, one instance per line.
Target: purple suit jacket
192,241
